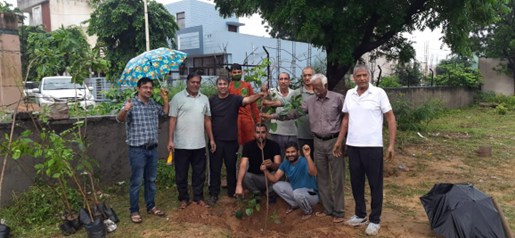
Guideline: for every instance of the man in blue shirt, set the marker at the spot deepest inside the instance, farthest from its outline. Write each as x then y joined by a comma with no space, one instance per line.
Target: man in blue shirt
141,117
302,189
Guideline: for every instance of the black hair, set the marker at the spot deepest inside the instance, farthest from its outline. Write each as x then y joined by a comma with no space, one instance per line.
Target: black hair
259,124
193,75
222,78
145,80
291,144
235,66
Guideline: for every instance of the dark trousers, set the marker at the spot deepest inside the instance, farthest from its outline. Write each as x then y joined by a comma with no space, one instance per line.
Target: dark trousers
311,144
197,160
367,161
226,151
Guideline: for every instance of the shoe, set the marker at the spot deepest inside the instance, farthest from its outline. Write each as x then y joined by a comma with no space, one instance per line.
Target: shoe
212,200
356,221
372,229
272,200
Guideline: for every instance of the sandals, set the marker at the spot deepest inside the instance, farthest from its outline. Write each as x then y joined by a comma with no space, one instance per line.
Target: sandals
291,209
202,203
155,211
135,217
307,215
183,205
338,219
322,213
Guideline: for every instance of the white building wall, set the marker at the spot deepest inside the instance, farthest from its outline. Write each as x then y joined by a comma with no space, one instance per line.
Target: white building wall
71,12
181,6
200,14
494,81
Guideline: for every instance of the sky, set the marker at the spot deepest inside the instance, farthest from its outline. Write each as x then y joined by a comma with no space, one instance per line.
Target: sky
253,26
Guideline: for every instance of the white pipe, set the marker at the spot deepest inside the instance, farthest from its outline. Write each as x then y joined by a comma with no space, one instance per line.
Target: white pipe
146,26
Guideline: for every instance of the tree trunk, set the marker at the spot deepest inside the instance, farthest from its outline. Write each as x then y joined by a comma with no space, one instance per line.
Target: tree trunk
336,73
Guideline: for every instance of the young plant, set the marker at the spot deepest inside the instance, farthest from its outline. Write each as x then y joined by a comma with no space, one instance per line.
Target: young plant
248,205
274,218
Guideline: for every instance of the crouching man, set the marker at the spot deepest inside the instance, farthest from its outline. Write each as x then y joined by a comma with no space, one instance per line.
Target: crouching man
302,189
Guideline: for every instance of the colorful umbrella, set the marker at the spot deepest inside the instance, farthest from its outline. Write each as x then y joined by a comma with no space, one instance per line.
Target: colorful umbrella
152,64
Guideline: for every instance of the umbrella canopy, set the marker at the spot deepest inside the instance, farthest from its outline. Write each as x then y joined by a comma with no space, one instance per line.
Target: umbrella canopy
152,64
461,210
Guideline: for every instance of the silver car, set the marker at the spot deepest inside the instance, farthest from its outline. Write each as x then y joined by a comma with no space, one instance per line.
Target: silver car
61,89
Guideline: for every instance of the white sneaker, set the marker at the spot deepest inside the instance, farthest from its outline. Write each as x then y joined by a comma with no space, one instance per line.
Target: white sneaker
372,229
356,221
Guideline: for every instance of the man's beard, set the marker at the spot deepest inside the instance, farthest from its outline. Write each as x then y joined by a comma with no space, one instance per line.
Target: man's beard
292,159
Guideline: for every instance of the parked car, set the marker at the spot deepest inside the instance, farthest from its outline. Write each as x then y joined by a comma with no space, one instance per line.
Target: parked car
61,89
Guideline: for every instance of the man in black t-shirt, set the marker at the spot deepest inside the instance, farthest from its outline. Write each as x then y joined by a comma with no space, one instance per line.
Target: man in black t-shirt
253,179
224,120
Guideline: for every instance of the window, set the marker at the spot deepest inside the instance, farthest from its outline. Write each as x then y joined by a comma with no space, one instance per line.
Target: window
208,65
181,21
233,28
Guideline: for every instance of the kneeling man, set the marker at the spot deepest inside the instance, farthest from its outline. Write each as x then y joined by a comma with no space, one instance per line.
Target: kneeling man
302,189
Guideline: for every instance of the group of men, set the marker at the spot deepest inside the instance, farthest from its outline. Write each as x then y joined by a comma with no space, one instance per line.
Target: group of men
303,162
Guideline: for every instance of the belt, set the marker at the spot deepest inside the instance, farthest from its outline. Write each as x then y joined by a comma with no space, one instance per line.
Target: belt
324,138
145,147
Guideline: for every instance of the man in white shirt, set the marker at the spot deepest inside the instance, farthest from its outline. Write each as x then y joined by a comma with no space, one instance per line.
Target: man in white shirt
364,108
286,131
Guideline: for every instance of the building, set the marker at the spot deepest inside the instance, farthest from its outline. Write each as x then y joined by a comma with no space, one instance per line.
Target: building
213,43
10,61
493,80
56,13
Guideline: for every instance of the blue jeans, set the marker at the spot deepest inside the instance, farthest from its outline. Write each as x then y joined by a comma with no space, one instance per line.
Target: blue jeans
143,166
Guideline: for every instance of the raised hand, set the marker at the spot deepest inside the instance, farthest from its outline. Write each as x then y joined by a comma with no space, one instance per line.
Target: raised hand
265,116
306,150
127,106
164,95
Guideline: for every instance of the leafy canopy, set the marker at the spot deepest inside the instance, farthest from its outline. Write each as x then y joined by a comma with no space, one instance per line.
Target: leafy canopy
498,40
54,52
348,29
120,27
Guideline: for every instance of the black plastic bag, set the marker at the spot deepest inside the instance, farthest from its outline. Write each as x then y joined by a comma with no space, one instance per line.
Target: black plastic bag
109,213
67,228
97,214
74,221
84,216
5,231
96,229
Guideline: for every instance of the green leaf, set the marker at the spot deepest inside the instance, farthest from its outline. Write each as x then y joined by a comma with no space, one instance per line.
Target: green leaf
273,126
244,92
79,123
277,221
249,211
56,175
239,214
39,166
258,207
25,133
237,84
6,136
17,154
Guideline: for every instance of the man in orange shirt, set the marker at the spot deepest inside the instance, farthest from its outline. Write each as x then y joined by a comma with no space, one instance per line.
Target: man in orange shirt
246,121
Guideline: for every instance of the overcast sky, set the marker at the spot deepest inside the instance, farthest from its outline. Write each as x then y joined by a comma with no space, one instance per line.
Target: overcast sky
253,26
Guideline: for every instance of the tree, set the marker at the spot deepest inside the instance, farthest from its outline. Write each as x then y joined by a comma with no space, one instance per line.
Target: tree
457,72
28,49
53,50
348,29
120,27
498,40
409,74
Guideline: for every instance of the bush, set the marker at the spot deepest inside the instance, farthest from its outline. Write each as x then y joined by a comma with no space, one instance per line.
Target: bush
501,110
165,174
389,82
414,119
490,97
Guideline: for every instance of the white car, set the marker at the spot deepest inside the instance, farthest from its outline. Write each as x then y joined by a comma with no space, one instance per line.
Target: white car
61,89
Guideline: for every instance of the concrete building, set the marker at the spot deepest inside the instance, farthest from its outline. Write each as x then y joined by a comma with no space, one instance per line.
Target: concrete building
10,61
56,13
213,42
494,81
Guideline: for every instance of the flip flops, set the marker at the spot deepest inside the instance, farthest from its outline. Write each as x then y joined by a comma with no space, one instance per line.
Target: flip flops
155,211
135,217
291,209
183,205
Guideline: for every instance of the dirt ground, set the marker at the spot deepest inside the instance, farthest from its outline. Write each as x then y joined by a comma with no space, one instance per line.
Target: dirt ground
402,216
